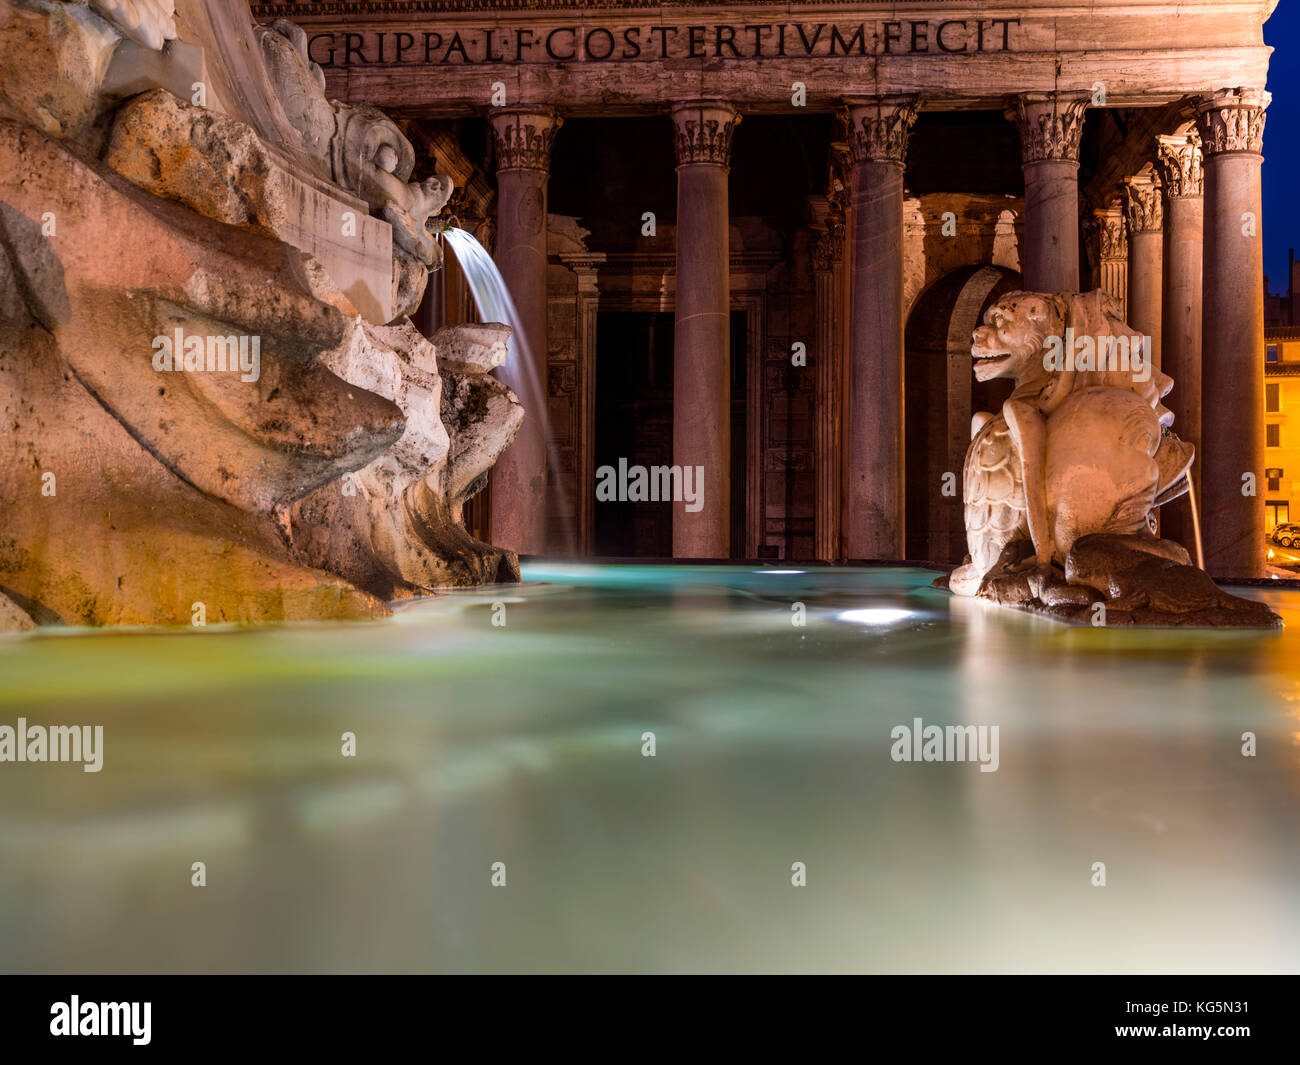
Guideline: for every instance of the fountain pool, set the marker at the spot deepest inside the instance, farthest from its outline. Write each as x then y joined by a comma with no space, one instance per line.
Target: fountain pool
522,743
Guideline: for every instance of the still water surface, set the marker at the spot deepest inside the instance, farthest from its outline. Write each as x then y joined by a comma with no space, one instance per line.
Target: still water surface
522,744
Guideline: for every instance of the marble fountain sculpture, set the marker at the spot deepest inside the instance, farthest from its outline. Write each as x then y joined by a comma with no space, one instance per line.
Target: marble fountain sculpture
215,405
1061,484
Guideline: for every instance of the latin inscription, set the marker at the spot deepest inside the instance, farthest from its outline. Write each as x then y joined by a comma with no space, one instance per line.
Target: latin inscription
718,41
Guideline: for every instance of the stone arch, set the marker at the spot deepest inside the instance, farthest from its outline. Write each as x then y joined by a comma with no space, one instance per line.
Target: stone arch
940,395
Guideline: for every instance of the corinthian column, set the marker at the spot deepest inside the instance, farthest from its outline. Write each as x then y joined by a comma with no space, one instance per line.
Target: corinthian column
701,334
1050,126
1179,163
1231,126
1112,254
1146,240
523,139
878,130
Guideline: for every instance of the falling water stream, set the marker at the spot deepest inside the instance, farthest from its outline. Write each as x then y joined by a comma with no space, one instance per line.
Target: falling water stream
1196,522
494,304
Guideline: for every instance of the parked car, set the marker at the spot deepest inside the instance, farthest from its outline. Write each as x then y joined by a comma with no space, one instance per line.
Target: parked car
1286,534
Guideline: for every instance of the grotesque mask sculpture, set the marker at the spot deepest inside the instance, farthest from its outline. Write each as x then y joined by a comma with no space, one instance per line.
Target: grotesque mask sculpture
1061,485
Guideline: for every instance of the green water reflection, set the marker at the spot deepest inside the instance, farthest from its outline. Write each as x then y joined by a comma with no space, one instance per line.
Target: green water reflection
522,743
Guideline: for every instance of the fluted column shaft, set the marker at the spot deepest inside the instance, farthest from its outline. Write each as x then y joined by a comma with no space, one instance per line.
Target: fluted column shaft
1112,254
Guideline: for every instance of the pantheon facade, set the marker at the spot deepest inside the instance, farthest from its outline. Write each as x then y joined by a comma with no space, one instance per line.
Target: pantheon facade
755,238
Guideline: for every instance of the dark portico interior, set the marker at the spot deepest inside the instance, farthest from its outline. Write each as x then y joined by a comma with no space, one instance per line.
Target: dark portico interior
612,217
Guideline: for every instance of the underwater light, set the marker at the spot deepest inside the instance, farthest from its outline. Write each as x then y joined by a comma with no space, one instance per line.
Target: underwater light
777,572
878,615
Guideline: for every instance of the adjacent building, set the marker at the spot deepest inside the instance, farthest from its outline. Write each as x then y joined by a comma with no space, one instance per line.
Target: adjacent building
1281,425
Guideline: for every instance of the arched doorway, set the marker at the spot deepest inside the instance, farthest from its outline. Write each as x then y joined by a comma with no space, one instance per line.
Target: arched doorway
940,395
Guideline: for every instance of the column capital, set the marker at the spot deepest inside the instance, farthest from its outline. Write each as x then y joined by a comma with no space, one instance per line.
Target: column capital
1232,120
523,137
702,131
1143,204
1112,236
839,178
1178,159
827,243
878,127
832,214
1050,124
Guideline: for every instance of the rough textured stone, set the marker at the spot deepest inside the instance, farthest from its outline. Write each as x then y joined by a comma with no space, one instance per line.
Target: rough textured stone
210,163
161,484
14,618
199,423
396,526
220,168
1120,581
51,63
367,507
471,348
483,416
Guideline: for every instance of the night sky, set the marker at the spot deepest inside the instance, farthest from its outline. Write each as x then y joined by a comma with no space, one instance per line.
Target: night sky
1282,143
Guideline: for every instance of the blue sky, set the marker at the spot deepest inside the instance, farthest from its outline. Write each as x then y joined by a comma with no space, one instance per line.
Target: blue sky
1282,143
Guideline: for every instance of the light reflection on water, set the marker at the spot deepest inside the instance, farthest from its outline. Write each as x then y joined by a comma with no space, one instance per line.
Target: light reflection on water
522,744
